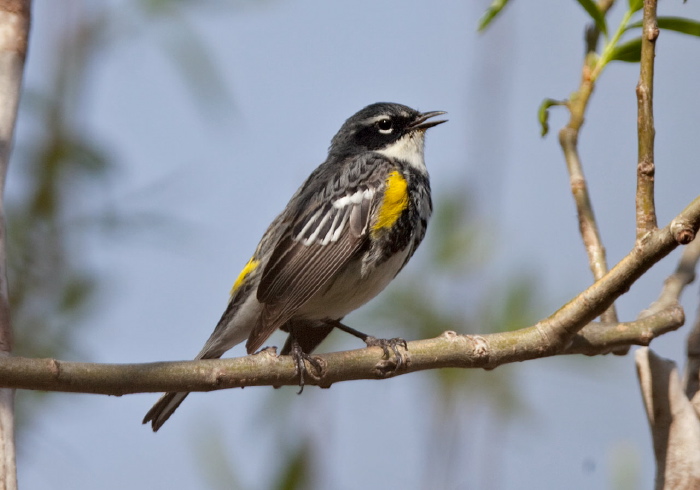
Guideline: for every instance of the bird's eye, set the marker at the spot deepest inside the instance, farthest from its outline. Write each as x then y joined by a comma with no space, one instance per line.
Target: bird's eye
385,126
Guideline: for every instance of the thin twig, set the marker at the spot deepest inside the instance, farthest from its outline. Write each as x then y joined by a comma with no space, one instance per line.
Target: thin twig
601,338
568,138
646,212
676,282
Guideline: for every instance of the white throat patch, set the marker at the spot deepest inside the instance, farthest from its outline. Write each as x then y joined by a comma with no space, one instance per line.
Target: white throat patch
409,149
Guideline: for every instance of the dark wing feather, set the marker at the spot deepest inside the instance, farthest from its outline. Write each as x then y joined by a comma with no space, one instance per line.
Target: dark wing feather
299,272
324,237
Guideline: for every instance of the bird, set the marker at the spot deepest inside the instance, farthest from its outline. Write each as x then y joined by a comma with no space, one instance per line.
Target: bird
344,235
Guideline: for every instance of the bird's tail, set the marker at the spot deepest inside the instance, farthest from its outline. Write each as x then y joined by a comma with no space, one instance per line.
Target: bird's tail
226,334
163,409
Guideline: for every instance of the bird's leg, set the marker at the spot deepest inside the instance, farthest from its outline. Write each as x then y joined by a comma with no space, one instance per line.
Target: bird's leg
299,356
371,341
308,334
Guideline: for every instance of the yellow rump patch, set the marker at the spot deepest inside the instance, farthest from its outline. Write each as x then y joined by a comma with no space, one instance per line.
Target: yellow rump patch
249,267
394,202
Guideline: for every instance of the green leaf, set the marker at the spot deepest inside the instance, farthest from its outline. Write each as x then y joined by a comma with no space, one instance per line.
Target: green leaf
636,5
631,51
677,24
543,114
596,14
491,13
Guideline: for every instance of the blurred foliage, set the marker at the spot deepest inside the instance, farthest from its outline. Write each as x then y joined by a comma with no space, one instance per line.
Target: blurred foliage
52,289
294,474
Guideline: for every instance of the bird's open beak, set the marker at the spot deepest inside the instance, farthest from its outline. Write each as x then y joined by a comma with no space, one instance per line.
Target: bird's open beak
423,123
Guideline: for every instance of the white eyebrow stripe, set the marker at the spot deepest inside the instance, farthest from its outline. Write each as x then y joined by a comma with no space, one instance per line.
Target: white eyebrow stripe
375,119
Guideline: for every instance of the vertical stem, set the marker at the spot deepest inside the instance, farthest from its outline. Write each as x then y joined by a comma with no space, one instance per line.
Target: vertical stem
646,212
568,138
14,34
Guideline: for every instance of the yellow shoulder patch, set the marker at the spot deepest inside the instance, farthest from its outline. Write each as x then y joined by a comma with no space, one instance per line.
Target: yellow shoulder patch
394,203
249,267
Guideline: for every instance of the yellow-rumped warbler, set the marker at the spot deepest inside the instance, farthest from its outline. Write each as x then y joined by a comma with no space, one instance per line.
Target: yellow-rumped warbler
345,234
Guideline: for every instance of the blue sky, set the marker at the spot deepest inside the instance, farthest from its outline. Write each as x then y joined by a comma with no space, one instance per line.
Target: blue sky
294,71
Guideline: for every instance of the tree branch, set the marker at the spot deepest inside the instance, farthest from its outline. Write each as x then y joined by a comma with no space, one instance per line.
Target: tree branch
601,338
646,212
266,368
692,370
674,424
557,334
14,33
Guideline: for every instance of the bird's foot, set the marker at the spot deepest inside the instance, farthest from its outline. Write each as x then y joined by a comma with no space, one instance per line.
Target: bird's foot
299,356
387,344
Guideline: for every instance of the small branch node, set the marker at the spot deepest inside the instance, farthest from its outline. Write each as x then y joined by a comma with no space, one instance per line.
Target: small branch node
646,337
642,91
682,231
642,242
652,33
218,377
55,367
548,344
482,348
646,168
270,351
578,184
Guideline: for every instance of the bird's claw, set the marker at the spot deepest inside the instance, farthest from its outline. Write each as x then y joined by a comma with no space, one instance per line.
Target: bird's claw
299,356
392,344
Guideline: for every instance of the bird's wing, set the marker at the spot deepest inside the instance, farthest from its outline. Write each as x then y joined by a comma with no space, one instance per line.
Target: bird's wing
327,230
